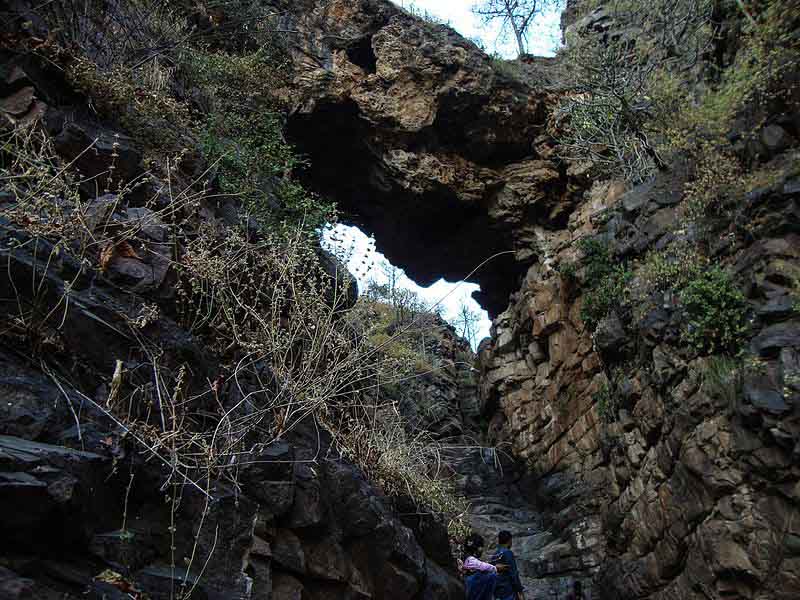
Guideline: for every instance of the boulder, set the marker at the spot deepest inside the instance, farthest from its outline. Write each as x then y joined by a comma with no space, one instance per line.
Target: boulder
286,587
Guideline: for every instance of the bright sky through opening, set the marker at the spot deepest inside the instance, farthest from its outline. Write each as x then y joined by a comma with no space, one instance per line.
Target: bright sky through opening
543,39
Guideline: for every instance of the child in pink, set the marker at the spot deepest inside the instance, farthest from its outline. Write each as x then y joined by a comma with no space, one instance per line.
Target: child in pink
480,577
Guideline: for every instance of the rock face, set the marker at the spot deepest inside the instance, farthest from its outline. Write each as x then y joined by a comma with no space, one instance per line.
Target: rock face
686,492
639,468
409,127
693,473
87,508
301,523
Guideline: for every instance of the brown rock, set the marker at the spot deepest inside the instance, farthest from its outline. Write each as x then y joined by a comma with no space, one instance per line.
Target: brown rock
286,587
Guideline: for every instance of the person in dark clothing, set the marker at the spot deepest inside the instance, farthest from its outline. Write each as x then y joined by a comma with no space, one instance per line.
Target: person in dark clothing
508,587
577,591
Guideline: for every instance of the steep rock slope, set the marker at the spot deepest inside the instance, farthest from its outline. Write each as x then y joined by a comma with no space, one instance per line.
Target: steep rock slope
85,510
665,464
95,502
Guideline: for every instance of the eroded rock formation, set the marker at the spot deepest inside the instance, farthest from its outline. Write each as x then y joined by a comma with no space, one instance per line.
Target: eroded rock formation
682,494
423,142
685,486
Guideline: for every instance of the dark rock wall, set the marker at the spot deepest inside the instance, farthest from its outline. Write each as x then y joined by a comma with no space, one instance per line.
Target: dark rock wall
86,509
79,496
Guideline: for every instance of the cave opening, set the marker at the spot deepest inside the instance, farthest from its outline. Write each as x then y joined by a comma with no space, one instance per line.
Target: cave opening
426,230
370,267
362,54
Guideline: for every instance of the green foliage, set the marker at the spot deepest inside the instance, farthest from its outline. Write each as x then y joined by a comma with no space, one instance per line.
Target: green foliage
672,268
716,312
607,402
767,48
664,270
598,260
636,102
723,379
612,117
235,82
568,270
249,151
240,129
408,352
605,281
243,135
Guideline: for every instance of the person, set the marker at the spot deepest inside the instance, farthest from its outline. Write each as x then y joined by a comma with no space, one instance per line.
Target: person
508,586
479,577
577,591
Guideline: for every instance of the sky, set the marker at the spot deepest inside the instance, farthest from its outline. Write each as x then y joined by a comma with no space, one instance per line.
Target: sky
365,263
544,38
358,249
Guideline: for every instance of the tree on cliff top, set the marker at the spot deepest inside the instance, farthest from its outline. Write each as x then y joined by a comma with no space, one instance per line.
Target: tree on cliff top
514,15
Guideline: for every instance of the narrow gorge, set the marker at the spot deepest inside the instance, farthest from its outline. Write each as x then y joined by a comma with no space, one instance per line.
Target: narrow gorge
196,403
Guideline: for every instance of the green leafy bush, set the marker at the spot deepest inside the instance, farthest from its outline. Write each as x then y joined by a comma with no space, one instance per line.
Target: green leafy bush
597,260
605,281
664,270
568,270
243,135
716,312
599,301
607,403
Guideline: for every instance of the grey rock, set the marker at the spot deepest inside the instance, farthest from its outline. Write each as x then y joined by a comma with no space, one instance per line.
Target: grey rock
765,399
791,187
92,147
778,307
775,139
14,587
772,339
160,583
286,587
287,552
610,334
636,198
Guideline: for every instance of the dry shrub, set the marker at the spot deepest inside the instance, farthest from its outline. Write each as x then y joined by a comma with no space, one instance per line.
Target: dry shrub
274,310
657,84
114,33
610,115
407,464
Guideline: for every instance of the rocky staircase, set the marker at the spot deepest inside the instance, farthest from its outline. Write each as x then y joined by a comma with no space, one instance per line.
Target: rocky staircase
501,498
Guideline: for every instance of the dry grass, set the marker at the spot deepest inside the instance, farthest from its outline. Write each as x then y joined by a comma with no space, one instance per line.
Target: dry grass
289,341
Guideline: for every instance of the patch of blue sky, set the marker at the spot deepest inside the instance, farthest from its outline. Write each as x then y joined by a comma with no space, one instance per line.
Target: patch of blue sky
544,37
